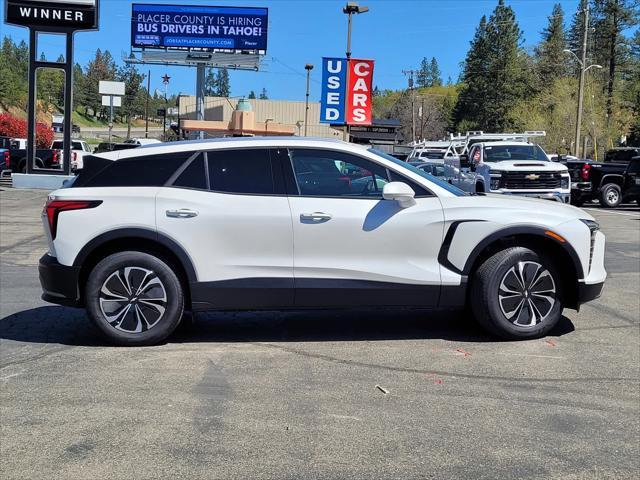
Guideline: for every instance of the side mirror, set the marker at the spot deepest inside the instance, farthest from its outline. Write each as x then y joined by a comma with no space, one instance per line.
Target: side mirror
400,192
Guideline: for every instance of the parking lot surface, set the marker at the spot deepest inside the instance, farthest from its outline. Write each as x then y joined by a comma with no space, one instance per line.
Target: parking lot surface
359,394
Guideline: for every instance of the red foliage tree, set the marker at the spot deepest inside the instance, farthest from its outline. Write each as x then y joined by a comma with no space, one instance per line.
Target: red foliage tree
14,127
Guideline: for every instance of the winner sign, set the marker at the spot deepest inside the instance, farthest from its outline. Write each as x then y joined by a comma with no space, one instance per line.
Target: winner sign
346,91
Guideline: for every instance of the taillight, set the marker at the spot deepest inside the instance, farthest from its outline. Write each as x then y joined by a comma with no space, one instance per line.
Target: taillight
584,173
55,157
54,207
7,159
75,156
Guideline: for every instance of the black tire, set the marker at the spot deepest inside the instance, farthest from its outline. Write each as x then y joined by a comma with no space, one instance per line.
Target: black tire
119,294
499,275
479,188
577,201
610,196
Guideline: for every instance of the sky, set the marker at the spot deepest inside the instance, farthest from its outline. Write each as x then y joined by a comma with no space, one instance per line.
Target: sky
394,33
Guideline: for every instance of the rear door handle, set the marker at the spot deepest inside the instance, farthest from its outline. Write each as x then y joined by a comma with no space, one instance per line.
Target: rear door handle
317,217
182,213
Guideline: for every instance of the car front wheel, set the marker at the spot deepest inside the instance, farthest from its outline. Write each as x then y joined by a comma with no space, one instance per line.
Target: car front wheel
610,196
517,294
134,298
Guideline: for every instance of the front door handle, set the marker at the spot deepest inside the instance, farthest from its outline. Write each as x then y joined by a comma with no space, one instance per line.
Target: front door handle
316,217
182,213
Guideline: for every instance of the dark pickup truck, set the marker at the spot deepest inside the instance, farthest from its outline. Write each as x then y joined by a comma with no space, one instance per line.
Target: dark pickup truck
15,158
602,181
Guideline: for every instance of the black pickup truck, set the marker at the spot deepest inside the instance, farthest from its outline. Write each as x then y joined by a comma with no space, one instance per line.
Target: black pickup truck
16,159
602,181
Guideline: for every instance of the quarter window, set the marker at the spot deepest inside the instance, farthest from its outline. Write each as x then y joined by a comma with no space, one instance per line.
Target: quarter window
336,174
247,171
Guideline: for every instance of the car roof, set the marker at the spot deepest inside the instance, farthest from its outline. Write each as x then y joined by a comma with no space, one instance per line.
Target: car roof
234,142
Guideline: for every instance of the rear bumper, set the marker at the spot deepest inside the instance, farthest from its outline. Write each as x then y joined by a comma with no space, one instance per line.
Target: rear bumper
59,282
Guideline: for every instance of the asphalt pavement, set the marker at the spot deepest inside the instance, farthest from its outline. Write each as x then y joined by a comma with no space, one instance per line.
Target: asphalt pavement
360,394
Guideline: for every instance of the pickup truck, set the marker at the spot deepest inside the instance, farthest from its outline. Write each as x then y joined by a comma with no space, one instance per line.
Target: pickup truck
79,149
602,181
16,160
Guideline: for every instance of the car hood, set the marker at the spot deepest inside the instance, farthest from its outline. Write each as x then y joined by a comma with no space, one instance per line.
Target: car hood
511,209
527,166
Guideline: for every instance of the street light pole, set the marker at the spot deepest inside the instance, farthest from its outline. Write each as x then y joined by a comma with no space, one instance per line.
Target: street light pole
581,83
308,67
349,10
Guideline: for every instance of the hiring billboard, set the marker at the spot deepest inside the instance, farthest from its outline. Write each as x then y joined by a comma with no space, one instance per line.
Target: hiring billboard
198,27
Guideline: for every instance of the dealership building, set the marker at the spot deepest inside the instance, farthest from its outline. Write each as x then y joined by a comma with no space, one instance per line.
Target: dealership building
229,116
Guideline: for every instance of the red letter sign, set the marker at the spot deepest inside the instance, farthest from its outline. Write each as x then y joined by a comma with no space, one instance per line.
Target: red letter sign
359,92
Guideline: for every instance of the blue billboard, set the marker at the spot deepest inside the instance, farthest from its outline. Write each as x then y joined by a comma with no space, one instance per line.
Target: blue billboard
334,90
198,27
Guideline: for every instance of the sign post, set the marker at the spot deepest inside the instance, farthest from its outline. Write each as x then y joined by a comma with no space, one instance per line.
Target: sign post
111,96
53,16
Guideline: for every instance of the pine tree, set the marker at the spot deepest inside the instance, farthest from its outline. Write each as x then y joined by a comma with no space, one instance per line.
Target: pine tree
424,74
223,88
610,19
252,95
263,94
102,67
132,79
576,30
435,74
210,88
550,55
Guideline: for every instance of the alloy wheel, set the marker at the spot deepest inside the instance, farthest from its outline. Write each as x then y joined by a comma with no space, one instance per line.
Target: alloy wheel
527,294
133,299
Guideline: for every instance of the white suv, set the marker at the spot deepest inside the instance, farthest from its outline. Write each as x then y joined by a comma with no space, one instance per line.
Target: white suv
290,223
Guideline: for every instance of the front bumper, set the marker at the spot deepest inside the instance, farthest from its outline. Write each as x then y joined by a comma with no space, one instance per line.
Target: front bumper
59,282
589,291
563,197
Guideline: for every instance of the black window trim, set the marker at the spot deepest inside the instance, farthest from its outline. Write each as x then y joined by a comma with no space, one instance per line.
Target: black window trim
409,181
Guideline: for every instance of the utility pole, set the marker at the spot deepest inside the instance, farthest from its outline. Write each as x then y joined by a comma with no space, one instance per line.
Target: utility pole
583,65
146,106
308,67
410,73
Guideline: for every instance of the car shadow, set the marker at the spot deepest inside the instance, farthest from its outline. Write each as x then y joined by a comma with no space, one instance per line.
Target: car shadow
70,326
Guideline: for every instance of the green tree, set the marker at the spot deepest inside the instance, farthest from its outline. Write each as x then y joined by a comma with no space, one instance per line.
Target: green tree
210,83
101,67
263,94
551,60
222,83
13,79
495,74
131,103
576,30
434,73
423,77
252,94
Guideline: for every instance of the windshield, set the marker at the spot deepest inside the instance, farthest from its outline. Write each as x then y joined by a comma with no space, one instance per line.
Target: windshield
499,153
445,185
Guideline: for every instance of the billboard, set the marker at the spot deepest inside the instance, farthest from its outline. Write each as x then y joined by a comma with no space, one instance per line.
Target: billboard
346,91
198,27
53,15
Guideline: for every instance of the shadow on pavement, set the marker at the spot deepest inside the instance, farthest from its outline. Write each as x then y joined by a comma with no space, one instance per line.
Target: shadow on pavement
69,326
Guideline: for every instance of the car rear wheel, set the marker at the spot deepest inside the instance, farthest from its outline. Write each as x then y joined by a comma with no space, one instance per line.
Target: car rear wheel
134,298
517,294
610,195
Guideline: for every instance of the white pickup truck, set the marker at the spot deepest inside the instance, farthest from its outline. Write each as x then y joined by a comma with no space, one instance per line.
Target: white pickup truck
79,148
513,168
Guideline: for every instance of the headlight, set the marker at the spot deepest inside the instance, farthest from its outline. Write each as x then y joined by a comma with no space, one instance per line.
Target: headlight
593,226
496,179
564,183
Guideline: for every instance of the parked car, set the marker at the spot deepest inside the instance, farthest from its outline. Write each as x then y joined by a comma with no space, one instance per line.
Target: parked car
215,224
631,182
142,141
16,159
601,181
79,148
109,147
5,153
464,180
515,168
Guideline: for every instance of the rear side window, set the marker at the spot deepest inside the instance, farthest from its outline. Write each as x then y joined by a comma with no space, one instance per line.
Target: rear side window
246,171
147,171
194,176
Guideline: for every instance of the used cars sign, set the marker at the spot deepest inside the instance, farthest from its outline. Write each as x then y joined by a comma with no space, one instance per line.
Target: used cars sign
53,15
346,91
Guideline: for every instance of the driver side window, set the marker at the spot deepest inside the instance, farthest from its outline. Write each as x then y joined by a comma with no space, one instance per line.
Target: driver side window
336,174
